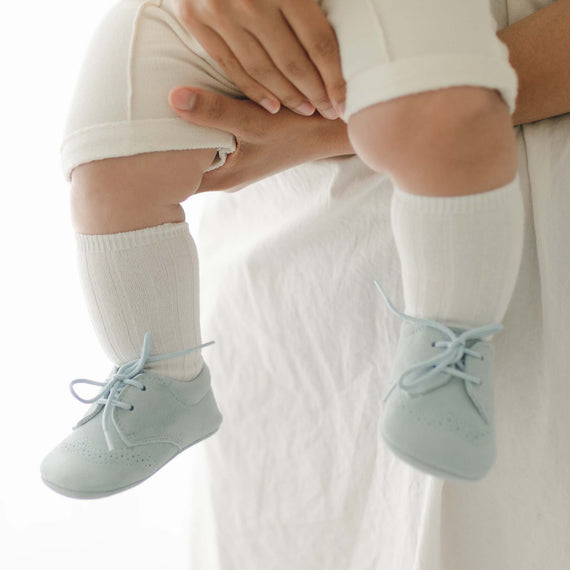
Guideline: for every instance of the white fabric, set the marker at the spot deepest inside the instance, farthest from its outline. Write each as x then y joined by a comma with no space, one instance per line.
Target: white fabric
139,281
428,45
137,54
460,255
298,476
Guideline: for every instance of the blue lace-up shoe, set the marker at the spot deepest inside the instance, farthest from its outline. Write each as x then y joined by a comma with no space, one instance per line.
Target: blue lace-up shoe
138,422
439,412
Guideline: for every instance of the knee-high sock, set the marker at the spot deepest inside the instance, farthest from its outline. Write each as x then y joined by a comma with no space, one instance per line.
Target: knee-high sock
460,255
144,280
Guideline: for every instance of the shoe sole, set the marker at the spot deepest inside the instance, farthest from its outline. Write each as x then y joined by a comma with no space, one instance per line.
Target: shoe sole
426,467
99,494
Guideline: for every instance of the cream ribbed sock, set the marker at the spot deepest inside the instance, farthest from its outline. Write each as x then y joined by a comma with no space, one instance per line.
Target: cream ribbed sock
144,280
460,255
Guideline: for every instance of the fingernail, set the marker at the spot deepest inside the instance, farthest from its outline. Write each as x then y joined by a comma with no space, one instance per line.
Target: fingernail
342,108
184,99
270,105
305,109
329,113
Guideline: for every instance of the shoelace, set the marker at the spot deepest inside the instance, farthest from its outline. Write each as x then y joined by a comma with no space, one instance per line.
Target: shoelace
120,377
448,359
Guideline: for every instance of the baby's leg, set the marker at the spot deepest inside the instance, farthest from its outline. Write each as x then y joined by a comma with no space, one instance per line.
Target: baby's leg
134,192
429,97
137,259
131,163
421,104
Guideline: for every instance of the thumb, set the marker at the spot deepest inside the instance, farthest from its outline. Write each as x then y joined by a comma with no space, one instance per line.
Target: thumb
209,109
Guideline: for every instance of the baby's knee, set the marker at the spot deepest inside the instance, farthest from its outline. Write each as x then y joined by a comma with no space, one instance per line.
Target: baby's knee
389,135
124,193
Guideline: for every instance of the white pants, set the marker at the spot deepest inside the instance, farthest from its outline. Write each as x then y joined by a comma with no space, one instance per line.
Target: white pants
389,48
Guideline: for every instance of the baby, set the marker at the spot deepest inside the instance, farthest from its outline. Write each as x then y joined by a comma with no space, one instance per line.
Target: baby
430,92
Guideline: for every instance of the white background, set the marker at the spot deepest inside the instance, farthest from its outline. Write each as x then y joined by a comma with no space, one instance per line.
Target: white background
47,339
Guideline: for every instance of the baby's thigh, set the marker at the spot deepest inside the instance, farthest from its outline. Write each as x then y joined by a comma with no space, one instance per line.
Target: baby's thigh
137,55
395,48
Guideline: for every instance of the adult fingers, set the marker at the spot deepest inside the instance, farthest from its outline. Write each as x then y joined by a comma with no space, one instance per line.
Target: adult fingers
218,49
288,55
317,36
258,59
226,31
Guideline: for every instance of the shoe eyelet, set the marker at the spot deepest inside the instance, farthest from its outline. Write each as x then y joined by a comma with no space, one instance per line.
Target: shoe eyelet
132,408
433,343
143,389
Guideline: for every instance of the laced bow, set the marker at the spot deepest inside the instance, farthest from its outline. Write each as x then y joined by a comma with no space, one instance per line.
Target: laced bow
121,376
451,360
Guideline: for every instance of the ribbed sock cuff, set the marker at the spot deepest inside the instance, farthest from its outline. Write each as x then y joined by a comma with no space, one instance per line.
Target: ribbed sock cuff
458,204
127,240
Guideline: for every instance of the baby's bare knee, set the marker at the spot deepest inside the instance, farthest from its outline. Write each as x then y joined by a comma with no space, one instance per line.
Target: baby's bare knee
389,135
132,192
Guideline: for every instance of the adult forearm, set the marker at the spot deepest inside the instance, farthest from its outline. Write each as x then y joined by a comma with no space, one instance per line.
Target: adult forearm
539,51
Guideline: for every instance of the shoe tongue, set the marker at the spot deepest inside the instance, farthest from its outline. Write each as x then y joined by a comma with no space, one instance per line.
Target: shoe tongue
420,349
427,385
96,408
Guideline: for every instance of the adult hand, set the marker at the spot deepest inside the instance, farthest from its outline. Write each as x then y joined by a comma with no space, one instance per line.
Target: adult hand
266,144
273,50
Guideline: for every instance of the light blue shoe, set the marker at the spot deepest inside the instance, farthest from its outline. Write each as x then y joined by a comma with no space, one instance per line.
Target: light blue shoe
138,422
439,413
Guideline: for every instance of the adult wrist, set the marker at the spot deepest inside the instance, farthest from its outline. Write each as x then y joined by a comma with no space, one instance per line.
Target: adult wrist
330,138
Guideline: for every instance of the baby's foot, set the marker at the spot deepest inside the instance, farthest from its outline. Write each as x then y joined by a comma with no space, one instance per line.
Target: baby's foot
138,422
